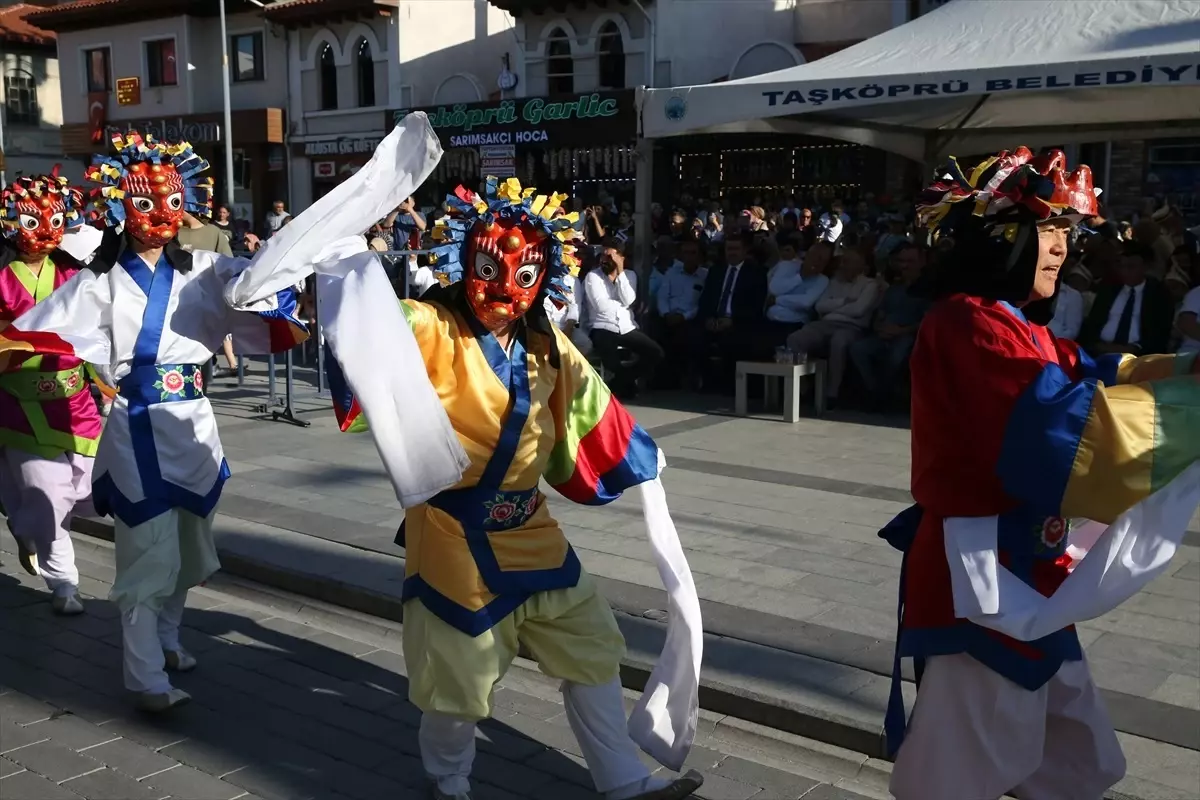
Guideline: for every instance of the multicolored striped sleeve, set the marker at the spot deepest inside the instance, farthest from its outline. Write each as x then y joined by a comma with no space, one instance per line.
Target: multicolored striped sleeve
72,321
599,450
1089,449
276,330
345,407
1119,368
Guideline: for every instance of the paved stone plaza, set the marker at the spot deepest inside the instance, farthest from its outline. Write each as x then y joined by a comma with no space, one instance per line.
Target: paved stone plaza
294,701
779,523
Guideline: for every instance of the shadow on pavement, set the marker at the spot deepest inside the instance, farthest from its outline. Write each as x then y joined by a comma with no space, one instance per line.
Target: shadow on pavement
281,709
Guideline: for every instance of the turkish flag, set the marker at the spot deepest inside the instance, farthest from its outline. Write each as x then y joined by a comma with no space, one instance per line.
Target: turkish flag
97,115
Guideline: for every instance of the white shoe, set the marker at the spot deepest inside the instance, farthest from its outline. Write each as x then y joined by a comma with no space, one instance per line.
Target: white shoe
179,660
683,786
67,605
438,794
156,703
27,557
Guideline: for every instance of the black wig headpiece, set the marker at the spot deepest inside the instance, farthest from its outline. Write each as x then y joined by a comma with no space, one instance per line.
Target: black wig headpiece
991,213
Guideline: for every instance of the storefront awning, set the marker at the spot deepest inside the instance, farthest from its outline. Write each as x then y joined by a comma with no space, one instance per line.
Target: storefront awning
973,76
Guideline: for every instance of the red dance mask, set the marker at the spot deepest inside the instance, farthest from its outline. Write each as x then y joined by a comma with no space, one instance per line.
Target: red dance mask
153,203
41,223
505,268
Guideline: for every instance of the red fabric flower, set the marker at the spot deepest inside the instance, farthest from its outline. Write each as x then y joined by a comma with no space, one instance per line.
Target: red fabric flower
172,381
1053,531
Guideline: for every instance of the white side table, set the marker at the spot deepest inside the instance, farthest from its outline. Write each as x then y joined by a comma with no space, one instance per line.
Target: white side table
790,376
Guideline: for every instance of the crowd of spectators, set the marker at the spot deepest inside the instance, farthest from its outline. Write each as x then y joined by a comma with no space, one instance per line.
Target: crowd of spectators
847,283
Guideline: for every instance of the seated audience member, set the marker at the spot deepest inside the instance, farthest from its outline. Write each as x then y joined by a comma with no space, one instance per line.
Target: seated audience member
845,311
664,261
832,223
794,286
677,304
881,354
1133,315
1080,279
610,294
1188,322
730,317
678,298
566,318
1068,313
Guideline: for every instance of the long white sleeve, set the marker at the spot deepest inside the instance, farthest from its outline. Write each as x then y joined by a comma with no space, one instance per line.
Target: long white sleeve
80,313
378,355
1130,553
402,162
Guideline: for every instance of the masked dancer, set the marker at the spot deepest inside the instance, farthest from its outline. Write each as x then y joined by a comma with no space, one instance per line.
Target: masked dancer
487,566
49,423
1051,487
148,314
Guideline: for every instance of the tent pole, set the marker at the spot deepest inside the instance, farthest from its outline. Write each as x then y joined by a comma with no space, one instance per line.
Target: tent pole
642,199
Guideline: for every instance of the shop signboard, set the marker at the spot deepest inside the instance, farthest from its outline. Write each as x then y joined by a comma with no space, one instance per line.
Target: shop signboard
585,120
170,130
344,146
129,91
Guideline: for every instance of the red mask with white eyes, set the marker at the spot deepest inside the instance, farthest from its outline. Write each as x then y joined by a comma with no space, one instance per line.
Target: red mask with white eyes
504,271
41,223
153,203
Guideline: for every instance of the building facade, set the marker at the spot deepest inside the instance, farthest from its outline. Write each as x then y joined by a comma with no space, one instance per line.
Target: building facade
29,91
353,62
159,72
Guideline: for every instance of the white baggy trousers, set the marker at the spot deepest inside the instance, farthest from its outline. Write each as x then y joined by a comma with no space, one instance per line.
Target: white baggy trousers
975,735
157,562
40,495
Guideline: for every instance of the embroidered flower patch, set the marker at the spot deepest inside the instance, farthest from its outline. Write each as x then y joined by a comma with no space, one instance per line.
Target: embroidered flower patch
171,382
500,510
1054,530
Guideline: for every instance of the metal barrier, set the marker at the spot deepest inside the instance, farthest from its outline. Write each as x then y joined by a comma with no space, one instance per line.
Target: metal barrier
281,409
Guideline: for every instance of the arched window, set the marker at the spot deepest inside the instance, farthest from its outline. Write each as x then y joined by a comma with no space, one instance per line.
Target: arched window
560,66
364,73
329,92
610,48
20,93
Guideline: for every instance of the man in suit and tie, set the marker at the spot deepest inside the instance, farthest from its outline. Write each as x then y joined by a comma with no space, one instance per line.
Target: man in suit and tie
1134,315
731,310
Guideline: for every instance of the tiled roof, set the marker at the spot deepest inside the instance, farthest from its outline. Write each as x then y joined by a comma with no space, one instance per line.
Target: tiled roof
299,12
15,29
78,15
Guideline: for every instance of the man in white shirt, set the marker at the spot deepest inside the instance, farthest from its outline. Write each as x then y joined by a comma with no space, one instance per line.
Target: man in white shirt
1133,317
677,303
832,223
609,295
1188,321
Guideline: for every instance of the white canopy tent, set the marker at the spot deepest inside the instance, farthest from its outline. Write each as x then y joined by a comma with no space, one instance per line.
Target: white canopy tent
973,76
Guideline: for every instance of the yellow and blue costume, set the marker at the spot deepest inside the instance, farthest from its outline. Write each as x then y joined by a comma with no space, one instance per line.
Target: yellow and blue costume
487,567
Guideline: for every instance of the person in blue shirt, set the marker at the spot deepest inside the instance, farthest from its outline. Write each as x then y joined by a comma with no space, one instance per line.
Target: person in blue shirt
881,355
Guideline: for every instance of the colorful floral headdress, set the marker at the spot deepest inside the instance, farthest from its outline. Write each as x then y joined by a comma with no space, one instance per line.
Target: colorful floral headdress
36,188
132,149
506,202
1006,189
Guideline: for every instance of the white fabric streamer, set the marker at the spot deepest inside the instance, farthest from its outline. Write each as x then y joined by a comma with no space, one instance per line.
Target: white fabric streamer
364,326
401,163
663,722
1131,552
